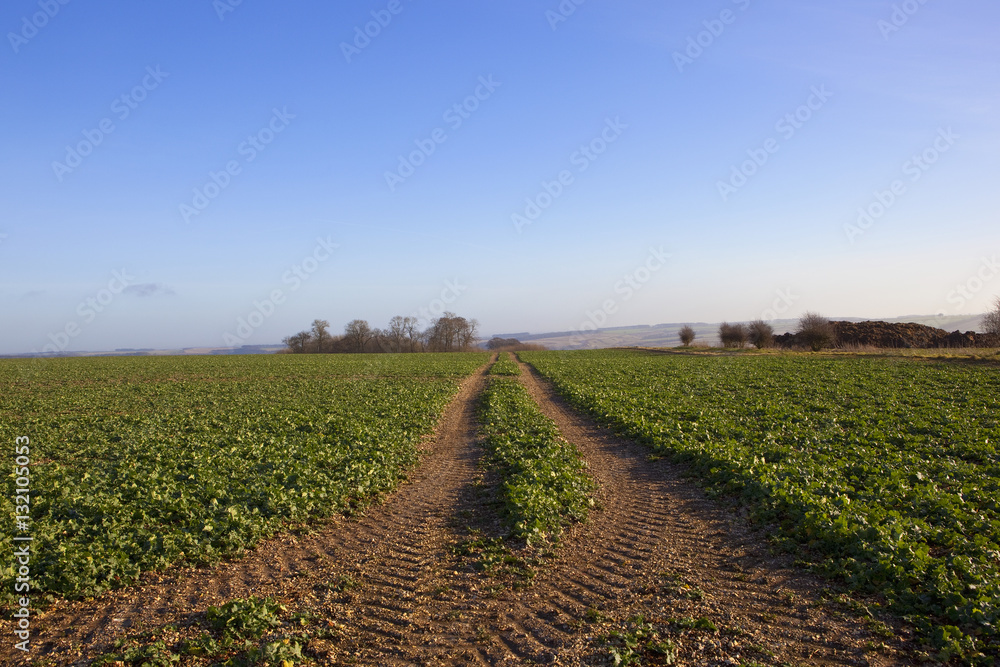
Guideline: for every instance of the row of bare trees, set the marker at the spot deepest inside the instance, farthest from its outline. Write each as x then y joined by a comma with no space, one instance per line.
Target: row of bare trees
448,333
758,333
814,331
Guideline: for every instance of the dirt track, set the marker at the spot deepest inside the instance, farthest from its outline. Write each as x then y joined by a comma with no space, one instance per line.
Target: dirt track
393,591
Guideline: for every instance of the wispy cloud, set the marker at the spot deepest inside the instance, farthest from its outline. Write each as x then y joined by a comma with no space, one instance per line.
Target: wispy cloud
149,289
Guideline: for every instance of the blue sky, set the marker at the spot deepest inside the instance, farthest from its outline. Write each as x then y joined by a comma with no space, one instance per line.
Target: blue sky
711,155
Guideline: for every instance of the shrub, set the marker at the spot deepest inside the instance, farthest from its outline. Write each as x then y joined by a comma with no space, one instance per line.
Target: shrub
686,335
815,331
733,335
497,343
761,334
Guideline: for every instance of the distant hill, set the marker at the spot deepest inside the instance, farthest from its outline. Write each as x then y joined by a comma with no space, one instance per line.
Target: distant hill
665,335
149,352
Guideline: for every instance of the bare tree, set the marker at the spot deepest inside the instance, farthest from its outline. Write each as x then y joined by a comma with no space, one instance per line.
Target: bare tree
413,335
400,336
686,335
760,334
320,335
468,332
733,335
815,331
991,321
440,336
299,343
450,333
381,342
395,334
357,334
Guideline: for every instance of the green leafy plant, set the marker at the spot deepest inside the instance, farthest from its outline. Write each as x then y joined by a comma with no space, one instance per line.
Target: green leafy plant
202,645
149,655
285,651
690,623
247,618
639,641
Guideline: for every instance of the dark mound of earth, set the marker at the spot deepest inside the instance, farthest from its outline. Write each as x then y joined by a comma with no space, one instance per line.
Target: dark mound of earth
897,335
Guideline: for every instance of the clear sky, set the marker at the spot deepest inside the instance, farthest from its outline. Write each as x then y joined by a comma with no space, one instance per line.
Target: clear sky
169,168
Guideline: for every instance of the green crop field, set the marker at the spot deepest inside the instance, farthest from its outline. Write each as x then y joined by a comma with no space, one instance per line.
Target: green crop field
883,472
139,463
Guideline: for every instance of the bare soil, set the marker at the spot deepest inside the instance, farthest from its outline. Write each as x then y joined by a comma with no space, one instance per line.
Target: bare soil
389,588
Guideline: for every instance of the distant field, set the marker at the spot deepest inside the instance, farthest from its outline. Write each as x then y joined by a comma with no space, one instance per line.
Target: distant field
885,469
138,463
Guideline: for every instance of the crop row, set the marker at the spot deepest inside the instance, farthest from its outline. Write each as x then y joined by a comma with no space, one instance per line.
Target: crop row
886,471
544,482
138,464
505,366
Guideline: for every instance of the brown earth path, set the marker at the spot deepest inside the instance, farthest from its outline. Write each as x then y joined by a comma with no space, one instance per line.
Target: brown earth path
389,589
